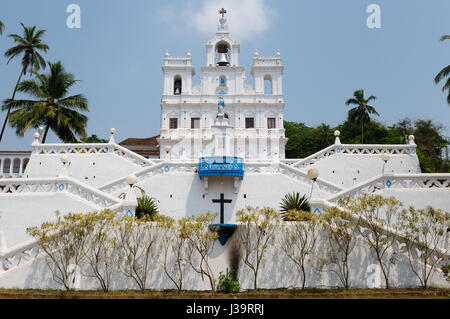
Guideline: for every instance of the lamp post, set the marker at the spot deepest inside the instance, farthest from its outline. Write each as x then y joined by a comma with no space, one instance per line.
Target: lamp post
385,157
131,180
313,174
130,201
168,149
64,170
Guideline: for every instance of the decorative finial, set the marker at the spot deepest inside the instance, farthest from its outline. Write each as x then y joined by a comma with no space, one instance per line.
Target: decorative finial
411,139
36,139
278,52
112,131
167,53
337,134
189,53
256,53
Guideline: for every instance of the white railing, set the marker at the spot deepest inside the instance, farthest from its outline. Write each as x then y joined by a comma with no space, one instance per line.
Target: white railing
303,177
93,148
395,181
120,185
56,185
266,61
19,255
354,149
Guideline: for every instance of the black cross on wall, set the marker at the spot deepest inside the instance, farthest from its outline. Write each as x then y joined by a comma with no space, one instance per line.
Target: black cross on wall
222,202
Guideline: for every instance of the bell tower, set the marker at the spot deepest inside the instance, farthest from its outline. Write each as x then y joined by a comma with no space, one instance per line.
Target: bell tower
222,50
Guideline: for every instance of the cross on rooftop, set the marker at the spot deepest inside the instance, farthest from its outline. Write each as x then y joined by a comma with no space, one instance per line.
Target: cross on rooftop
222,12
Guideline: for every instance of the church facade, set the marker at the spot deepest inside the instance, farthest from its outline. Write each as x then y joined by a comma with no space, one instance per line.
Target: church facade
221,149
252,125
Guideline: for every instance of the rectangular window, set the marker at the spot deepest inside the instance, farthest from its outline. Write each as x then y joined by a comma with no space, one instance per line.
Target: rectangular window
173,123
195,122
249,122
271,123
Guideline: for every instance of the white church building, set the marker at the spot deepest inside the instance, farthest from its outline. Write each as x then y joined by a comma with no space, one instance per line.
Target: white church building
222,144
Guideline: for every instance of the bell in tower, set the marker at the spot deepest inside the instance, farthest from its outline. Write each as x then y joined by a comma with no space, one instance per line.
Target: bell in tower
222,54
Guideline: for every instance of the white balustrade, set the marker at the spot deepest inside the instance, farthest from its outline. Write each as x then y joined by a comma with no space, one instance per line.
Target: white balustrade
301,176
395,181
55,185
354,149
92,148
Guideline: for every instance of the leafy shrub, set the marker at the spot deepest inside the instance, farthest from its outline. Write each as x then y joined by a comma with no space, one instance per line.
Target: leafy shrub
228,282
147,207
294,201
446,269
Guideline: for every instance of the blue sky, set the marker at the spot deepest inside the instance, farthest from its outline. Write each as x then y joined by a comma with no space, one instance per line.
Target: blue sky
326,47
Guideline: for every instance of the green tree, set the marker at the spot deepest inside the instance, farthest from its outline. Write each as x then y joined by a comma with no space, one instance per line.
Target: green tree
93,139
374,215
29,45
444,74
425,231
431,146
298,240
324,136
300,140
256,233
361,113
52,109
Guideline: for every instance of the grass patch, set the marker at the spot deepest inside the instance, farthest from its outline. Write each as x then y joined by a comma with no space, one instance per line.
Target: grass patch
401,293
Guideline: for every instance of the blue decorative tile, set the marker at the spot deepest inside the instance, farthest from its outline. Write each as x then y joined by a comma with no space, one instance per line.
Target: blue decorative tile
317,210
338,150
166,168
277,169
61,187
388,183
129,213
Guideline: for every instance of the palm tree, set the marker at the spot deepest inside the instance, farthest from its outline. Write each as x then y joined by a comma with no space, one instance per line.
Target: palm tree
2,26
29,45
52,108
361,113
444,73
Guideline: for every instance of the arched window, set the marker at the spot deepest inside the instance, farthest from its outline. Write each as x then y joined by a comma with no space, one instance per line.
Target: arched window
6,165
268,84
222,81
16,166
177,85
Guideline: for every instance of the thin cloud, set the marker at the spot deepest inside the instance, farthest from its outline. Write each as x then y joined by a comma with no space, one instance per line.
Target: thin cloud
246,18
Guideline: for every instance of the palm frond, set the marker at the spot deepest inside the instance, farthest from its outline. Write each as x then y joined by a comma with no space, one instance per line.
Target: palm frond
442,74
2,27
445,37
